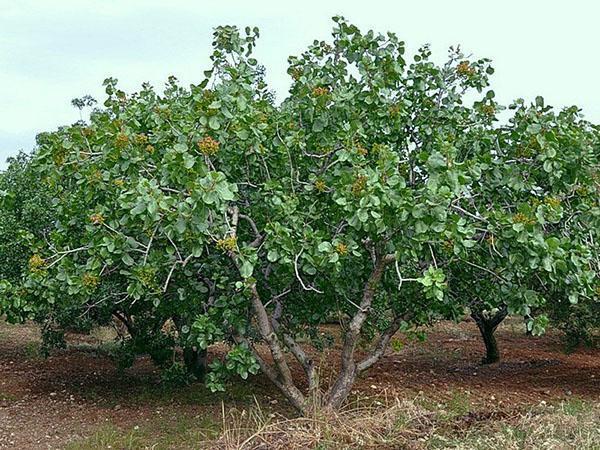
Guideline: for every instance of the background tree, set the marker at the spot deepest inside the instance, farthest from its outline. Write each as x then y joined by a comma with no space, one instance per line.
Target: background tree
537,207
25,218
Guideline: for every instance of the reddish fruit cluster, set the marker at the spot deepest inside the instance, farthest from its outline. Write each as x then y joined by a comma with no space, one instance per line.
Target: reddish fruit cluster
122,140
553,202
489,110
341,248
359,185
87,131
59,156
361,150
89,280
36,263
296,74
448,245
465,69
320,186
523,218
97,219
320,91
208,146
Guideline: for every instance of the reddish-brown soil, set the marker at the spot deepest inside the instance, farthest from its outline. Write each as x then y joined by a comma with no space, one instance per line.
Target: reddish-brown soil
45,403
532,369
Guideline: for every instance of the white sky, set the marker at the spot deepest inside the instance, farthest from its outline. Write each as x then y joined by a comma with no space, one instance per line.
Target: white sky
54,51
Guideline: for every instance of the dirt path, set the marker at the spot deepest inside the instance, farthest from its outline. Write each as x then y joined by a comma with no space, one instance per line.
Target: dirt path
46,403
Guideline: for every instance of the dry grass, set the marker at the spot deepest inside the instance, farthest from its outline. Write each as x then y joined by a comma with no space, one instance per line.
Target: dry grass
565,426
399,424
369,426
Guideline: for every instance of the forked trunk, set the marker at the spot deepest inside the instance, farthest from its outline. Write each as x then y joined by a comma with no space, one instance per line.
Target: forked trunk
349,370
279,342
487,327
492,354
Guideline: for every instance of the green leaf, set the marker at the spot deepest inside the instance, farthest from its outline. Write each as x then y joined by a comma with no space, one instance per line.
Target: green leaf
188,161
469,243
214,123
224,192
436,161
324,247
180,148
138,209
127,260
246,269
272,255
319,125
181,225
363,215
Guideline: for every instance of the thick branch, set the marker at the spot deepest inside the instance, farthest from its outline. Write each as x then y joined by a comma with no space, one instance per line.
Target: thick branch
270,338
258,238
381,345
340,389
272,374
295,349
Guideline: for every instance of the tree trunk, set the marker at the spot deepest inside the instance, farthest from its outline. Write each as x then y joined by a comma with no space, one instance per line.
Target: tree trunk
526,320
487,327
193,357
338,393
492,354
195,362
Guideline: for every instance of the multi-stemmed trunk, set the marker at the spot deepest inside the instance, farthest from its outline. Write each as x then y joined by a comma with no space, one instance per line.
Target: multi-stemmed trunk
487,327
278,342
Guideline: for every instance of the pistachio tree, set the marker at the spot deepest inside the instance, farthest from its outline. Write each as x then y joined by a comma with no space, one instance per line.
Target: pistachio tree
536,205
212,214
25,217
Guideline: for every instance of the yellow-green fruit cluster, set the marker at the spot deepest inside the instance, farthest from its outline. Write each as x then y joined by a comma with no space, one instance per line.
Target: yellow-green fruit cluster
208,146
227,244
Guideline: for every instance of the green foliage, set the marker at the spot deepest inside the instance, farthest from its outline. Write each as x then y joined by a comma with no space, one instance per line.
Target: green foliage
373,193
25,220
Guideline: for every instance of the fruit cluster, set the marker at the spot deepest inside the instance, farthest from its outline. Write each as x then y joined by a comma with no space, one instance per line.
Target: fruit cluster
208,146
97,219
320,91
122,140
465,69
359,185
36,263
227,244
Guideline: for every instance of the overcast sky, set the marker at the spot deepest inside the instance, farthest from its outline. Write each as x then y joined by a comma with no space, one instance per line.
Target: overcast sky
54,51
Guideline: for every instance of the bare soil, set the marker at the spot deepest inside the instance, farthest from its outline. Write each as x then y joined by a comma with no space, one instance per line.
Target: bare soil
49,402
